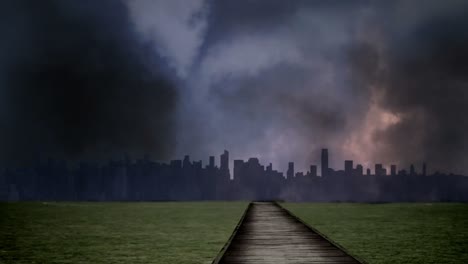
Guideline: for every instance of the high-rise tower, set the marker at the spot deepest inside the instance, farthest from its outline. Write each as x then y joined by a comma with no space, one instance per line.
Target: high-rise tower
393,170
290,172
348,164
224,166
212,162
324,160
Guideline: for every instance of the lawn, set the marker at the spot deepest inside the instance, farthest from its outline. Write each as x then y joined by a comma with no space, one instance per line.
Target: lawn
393,233
166,232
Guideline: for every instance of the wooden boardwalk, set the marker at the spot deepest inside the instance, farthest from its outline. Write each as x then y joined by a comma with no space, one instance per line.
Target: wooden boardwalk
270,234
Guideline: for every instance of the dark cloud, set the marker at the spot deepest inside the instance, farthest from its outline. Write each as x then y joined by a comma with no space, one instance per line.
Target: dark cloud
374,82
279,85
228,19
427,84
77,82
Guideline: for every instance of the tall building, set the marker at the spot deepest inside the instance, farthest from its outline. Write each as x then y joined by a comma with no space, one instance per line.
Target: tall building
348,164
393,170
313,170
324,162
359,170
212,162
290,172
378,170
224,166
412,171
238,167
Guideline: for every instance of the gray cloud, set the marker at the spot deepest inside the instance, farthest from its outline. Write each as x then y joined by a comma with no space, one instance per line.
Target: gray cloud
76,83
176,28
274,82
280,80
426,84
372,81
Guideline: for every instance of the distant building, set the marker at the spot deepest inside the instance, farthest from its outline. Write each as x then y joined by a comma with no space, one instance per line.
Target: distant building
313,170
378,170
324,162
359,170
348,164
424,172
186,163
224,166
238,167
176,164
290,172
197,165
393,170
212,162
412,171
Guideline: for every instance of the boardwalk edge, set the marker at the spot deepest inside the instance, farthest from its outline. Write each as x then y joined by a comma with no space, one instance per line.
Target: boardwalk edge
228,243
358,259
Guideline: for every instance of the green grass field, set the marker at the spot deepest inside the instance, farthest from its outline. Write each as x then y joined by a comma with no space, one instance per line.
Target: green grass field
194,232
393,233
170,232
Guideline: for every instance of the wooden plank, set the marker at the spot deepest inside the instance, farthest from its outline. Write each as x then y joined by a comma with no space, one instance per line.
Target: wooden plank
268,233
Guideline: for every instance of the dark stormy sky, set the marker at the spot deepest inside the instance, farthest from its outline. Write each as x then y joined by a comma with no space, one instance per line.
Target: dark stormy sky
373,81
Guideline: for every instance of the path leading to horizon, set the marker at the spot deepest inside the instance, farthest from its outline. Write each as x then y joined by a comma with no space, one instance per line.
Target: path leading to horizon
270,234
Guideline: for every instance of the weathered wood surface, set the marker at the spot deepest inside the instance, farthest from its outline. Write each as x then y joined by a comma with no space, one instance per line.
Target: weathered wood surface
269,234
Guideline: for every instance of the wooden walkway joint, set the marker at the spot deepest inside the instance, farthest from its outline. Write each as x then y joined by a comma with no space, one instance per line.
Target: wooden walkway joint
267,233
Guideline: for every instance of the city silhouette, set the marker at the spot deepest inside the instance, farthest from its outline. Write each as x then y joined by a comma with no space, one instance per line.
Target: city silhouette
147,180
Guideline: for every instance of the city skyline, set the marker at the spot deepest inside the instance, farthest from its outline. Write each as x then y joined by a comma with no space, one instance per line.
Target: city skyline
304,167
186,179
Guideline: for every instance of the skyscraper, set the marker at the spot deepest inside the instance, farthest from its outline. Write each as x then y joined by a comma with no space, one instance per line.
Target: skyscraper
359,170
348,164
378,170
290,172
393,170
212,162
313,170
224,166
324,162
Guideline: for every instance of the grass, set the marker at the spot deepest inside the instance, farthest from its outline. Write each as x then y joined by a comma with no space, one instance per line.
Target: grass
194,232
167,232
393,233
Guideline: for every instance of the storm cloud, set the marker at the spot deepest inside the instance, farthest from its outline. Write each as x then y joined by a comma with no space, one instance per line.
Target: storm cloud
76,82
377,82
426,85
374,82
